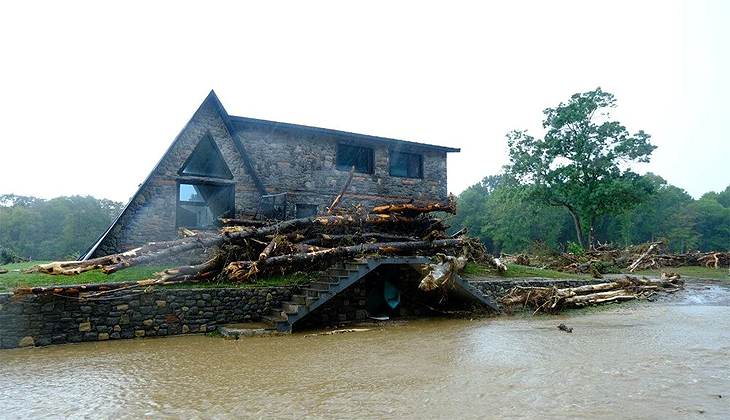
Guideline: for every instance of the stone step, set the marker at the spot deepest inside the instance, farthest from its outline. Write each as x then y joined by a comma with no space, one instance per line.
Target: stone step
281,324
290,308
315,292
249,329
322,285
337,272
354,266
303,299
278,313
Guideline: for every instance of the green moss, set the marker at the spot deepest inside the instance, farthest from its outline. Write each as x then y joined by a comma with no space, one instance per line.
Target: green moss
14,278
287,279
474,269
277,281
517,271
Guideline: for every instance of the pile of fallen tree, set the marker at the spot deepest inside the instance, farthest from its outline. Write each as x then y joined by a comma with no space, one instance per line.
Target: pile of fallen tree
605,259
247,250
553,300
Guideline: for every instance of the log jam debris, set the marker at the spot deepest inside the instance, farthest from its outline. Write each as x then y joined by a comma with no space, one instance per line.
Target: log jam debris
605,259
554,300
245,251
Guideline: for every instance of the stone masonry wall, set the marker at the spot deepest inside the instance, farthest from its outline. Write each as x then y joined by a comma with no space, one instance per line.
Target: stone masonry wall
303,164
41,320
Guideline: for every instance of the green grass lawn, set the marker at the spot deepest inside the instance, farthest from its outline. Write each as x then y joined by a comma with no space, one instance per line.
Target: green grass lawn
14,278
517,271
520,271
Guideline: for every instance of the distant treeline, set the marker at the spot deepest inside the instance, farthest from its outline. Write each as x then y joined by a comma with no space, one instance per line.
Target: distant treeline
490,211
61,228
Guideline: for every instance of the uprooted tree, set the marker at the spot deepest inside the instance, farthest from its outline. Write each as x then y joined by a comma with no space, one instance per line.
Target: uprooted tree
553,300
580,163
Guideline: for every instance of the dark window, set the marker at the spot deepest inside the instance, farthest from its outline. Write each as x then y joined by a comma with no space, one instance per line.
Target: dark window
406,164
306,210
358,156
206,160
200,205
271,207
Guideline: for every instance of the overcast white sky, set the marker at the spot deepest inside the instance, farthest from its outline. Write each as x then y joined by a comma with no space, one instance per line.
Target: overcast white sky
93,93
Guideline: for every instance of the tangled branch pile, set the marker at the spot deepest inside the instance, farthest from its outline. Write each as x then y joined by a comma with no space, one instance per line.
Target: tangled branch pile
606,259
553,300
244,250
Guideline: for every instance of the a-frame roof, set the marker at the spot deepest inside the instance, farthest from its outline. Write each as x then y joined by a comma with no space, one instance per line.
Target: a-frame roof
211,99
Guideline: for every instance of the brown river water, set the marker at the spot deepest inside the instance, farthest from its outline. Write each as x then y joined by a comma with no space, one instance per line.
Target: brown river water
661,360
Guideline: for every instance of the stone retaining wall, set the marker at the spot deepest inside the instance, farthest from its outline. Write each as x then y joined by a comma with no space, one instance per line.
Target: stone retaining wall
41,320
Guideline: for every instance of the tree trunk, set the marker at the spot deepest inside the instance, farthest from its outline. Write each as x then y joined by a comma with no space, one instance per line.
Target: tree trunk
241,270
591,234
342,192
448,206
331,240
552,299
578,229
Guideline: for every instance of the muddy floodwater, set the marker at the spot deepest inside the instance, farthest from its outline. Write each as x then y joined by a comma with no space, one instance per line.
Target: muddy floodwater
661,360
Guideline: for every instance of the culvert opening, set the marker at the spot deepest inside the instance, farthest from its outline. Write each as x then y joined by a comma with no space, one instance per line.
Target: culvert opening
390,292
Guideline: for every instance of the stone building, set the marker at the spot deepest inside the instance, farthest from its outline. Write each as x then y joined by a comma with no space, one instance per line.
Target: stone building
223,166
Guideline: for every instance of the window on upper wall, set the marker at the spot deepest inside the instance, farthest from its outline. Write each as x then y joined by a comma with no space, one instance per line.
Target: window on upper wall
206,160
200,205
306,210
360,157
408,165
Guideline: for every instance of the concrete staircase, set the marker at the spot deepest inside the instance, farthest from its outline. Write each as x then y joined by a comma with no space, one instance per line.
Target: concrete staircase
339,278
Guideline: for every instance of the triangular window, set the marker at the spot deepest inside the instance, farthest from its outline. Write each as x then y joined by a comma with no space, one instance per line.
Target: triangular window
206,160
201,204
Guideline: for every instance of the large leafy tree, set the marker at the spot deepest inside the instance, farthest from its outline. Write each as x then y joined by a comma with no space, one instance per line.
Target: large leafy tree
582,163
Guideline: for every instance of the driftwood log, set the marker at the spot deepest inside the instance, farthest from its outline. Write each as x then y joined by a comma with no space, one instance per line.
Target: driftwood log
443,272
241,270
336,202
553,300
448,206
648,251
